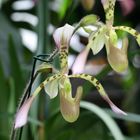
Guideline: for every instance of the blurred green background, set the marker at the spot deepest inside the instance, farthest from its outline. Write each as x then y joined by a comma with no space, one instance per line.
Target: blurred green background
26,28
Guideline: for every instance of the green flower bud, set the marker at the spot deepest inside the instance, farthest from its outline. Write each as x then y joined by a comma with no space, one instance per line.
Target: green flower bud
88,4
89,20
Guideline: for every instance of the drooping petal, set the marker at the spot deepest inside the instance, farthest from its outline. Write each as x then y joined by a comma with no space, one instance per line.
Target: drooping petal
116,109
22,114
130,30
97,40
100,89
117,58
70,107
79,63
63,35
51,88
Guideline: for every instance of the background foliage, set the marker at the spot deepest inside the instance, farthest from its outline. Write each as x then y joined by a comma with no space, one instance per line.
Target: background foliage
41,17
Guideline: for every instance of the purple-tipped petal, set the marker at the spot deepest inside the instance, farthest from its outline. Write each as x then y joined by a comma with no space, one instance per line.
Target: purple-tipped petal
117,110
79,63
22,114
63,35
114,107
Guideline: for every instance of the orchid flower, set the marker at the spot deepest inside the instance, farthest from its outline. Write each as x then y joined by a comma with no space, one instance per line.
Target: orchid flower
106,35
60,83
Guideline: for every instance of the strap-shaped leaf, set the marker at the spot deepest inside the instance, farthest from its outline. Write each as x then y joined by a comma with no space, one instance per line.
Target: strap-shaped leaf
130,30
97,40
100,89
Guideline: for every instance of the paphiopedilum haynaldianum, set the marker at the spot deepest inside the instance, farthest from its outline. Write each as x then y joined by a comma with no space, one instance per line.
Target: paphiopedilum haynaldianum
60,83
106,35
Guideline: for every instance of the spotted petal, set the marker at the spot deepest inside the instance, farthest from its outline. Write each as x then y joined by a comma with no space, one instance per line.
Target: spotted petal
130,30
100,89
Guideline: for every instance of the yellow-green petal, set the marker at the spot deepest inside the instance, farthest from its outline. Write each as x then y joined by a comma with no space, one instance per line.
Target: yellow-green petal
100,89
130,30
117,57
69,106
97,40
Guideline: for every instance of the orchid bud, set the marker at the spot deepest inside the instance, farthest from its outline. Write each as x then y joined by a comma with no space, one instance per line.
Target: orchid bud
89,20
22,114
88,4
69,106
117,58
63,35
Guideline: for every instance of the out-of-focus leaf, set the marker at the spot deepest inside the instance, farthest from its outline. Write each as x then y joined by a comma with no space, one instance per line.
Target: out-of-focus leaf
63,8
11,103
129,117
3,90
6,28
15,68
112,126
3,102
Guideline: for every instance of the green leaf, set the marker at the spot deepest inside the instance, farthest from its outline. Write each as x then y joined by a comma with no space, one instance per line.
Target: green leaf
111,124
64,6
16,71
100,89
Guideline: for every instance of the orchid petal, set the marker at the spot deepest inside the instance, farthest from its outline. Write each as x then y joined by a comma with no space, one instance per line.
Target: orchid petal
117,58
70,107
63,35
51,88
79,63
22,114
100,89
108,6
130,30
97,40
